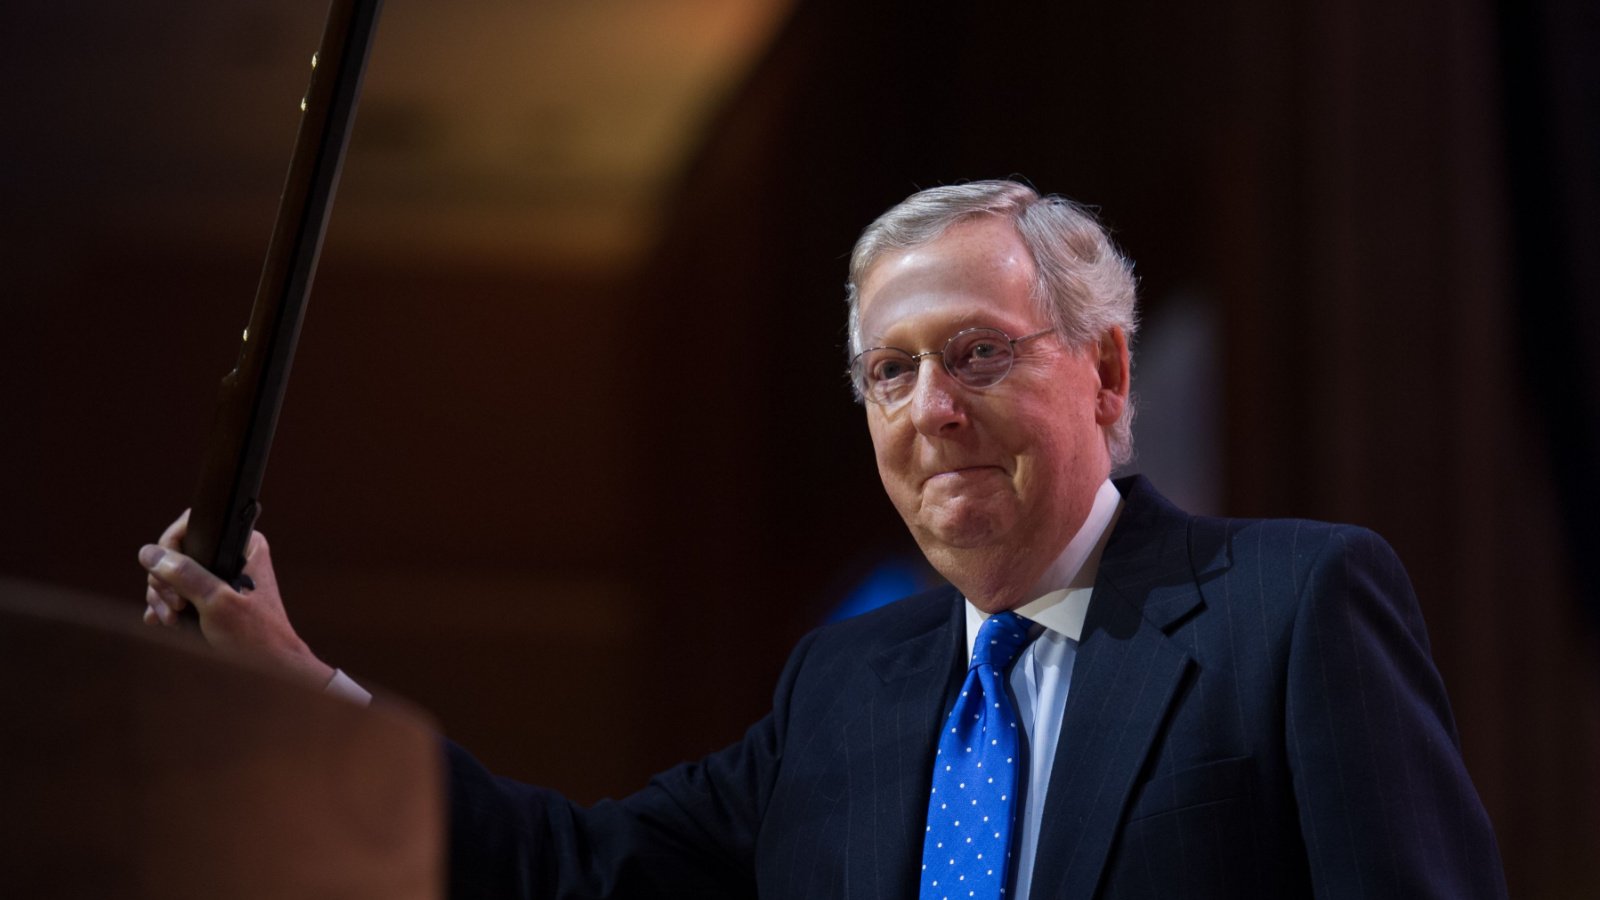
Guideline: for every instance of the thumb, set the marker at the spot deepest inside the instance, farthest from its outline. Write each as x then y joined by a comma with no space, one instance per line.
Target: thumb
190,579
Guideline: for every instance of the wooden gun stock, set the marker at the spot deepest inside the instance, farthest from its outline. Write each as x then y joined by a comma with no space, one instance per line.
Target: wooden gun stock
226,503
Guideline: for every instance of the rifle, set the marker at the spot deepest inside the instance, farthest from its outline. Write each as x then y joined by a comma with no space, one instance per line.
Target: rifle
227,501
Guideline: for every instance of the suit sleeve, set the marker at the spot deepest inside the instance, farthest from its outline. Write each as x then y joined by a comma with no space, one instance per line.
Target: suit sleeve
690,833
1385,803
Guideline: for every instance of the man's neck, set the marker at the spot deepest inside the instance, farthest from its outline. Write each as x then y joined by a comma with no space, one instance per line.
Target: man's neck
1006,584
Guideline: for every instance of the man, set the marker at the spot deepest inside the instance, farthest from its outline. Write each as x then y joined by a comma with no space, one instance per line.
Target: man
1110,699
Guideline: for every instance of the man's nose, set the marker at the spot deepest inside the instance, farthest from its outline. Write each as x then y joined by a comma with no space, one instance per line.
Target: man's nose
938,402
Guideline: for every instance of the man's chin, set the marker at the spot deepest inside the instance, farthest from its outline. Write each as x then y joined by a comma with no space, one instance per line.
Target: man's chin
962,530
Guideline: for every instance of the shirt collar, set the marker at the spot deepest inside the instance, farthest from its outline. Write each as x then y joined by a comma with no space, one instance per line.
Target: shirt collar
1061,608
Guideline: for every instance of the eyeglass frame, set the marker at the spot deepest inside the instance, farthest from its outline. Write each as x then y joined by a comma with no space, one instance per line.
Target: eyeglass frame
860,386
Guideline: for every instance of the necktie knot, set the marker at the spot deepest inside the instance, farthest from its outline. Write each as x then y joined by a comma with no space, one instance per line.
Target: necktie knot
1000,639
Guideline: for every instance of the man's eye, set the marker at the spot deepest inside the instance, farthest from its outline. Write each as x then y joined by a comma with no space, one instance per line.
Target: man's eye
982,355
890,369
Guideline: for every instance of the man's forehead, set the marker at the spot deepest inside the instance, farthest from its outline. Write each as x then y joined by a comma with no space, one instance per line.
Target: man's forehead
987,248
975,273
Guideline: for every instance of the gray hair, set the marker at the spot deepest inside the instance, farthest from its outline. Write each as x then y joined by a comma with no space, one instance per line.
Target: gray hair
1085,285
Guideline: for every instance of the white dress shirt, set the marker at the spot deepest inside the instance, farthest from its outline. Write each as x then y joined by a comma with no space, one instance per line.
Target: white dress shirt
1042,674
345,687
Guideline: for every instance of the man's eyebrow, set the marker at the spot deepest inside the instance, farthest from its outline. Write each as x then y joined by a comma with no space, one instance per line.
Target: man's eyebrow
978,319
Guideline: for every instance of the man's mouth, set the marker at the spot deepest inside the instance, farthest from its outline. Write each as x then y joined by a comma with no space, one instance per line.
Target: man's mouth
963,471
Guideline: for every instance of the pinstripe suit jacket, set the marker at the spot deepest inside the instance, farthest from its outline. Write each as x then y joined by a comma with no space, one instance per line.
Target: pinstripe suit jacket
1254,713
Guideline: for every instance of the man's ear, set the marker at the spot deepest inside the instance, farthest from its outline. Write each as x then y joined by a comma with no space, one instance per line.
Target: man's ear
1113,366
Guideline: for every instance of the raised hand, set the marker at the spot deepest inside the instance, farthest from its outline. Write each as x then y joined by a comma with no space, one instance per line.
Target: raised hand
250,621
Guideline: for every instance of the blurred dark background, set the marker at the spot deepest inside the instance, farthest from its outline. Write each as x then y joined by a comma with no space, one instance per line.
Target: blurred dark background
568,434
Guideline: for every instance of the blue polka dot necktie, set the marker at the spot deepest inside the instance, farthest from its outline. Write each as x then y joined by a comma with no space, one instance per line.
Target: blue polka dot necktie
966,849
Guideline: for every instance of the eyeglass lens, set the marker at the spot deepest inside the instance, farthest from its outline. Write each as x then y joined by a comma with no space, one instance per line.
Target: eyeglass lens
977,357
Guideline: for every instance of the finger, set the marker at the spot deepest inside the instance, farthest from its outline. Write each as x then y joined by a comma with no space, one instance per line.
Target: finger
258,561
165,592
166,603
187,578
159,615
156,611
257,545
172,538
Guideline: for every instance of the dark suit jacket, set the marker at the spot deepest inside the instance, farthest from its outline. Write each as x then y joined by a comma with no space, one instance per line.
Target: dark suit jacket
1253,713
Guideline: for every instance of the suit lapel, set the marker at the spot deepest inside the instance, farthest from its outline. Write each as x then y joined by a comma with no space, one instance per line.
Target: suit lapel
1125,677
919,676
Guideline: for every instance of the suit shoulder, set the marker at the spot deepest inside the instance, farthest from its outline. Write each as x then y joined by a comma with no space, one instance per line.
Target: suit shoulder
913,632
1301,540
893,622
1223,541
1284,561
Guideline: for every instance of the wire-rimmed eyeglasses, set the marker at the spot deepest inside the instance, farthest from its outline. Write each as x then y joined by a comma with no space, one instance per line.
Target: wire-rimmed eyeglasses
975,357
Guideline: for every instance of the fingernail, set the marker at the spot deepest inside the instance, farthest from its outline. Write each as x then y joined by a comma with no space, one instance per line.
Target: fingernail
150,554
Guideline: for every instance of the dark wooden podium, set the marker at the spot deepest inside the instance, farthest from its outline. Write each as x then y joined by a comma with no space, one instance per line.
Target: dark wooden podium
136,763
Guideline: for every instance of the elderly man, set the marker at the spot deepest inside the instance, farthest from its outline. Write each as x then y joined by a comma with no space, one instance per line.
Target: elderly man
1110,698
